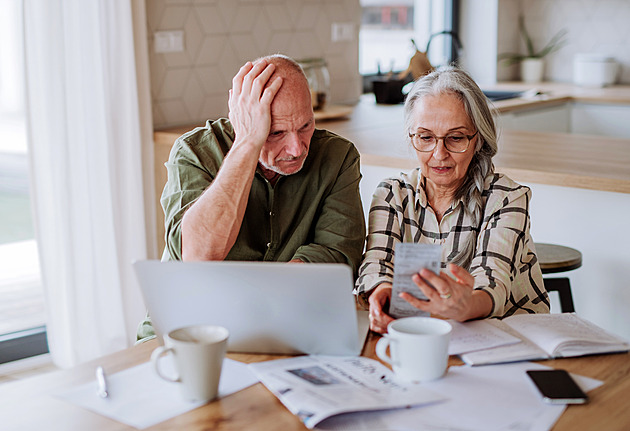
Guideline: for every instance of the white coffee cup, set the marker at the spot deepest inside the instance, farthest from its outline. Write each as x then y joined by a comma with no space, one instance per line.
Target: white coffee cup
198,352
418,347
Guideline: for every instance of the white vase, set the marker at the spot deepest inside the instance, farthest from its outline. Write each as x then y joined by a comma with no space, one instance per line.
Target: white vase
532,70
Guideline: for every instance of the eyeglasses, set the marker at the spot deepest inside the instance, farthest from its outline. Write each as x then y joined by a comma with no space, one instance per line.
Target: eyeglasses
426,142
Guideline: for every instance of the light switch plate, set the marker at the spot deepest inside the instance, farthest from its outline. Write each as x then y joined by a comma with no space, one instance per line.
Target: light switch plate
169,41
342,31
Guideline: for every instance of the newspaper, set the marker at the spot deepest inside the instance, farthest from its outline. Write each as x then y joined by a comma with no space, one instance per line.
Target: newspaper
315,388
409,259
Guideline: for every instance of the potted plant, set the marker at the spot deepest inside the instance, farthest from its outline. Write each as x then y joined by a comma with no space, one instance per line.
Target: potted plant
532,63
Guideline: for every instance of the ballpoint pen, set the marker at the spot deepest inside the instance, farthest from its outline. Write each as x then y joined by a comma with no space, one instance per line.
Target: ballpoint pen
102,383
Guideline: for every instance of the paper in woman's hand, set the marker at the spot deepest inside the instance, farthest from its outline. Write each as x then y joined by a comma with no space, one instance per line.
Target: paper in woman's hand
409,259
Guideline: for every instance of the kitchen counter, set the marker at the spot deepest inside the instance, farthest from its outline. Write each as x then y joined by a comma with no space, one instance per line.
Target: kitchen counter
582,161
557,93
588,162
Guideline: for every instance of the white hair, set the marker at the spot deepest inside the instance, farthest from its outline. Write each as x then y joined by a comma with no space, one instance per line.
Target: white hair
452,80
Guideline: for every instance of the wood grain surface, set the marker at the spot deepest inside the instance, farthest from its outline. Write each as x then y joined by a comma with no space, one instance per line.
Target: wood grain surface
30,404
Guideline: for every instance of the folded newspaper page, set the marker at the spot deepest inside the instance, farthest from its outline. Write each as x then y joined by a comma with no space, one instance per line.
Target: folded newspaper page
317,387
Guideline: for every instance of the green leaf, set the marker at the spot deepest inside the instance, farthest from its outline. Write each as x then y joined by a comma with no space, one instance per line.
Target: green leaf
556,42
528,41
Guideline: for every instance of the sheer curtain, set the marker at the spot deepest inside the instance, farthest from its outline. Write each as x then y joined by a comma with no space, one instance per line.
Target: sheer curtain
87,139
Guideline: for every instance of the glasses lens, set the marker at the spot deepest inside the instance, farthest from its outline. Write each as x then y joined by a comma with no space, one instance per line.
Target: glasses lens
424,141
456,142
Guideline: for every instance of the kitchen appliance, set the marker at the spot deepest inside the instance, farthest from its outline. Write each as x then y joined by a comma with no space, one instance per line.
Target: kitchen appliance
594,70
316,72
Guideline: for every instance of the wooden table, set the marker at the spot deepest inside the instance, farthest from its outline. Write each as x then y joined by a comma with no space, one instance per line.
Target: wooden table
29,405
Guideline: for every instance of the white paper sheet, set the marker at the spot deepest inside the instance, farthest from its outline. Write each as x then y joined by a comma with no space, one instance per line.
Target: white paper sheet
139,398
477,335
497,397
410,259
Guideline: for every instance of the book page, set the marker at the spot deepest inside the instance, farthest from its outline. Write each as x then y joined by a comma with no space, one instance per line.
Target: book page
525,350
477,335
410,258
565,334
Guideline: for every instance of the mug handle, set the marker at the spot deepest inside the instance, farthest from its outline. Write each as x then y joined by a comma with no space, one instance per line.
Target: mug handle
381,349
155,359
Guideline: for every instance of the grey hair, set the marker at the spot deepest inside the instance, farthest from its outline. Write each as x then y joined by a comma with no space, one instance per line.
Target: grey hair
452,80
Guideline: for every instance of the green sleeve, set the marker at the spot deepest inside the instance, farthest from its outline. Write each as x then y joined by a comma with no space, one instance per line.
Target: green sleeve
192,166
340,228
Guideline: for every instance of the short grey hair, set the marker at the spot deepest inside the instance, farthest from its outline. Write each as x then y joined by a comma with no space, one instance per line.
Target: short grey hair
452,80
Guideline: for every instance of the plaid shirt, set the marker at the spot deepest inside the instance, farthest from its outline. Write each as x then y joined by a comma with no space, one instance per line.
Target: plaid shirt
505,263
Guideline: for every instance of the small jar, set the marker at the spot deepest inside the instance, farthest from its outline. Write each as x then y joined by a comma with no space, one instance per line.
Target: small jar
316,72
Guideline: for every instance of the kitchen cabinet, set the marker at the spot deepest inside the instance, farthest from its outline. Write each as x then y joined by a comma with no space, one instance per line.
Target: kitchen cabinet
582,118
552,119
600,119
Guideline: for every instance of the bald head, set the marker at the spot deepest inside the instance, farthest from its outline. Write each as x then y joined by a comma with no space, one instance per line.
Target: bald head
292,120
294,82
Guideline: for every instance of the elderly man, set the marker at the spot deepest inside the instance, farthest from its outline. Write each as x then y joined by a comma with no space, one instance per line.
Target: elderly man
264,185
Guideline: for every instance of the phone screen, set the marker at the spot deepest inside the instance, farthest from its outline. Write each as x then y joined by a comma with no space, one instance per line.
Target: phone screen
557,387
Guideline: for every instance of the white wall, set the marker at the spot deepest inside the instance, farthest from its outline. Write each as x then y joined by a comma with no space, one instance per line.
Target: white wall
490,27
594,223
478,32
592,25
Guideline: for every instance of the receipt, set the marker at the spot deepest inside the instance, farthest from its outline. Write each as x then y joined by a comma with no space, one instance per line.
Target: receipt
409,259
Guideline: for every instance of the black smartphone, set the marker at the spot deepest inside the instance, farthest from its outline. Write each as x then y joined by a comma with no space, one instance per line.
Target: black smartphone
557,387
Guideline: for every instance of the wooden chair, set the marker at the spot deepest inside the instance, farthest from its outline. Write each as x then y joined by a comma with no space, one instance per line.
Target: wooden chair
557,258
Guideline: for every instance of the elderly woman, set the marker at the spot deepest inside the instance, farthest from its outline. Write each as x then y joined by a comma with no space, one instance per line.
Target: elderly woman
453,198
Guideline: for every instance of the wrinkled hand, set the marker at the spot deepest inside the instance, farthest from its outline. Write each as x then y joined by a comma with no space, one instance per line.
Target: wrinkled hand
452,299
378,299
250,102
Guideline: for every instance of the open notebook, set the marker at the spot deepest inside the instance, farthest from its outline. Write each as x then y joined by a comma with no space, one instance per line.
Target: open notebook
268,307
546,336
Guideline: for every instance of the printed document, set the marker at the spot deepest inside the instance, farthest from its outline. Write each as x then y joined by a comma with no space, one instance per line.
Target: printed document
317,387
410,258
496,397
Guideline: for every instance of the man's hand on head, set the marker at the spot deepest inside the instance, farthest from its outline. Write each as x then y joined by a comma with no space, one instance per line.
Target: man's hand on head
250,102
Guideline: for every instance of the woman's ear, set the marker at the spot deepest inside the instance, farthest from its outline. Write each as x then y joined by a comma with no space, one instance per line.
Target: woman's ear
480,143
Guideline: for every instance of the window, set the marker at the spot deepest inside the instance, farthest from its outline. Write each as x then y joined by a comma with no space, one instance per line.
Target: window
22,314
388,27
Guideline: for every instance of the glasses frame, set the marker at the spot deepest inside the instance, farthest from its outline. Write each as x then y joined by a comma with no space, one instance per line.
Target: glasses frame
443,139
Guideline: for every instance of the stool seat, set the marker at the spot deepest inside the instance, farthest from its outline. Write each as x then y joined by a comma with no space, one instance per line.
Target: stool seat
557,258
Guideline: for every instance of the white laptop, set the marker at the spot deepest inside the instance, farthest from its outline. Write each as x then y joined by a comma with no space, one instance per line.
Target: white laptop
268,307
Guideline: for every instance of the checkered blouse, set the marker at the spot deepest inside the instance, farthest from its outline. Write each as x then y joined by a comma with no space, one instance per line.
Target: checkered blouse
505,263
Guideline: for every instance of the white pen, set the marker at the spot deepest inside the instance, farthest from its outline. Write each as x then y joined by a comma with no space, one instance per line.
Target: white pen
102,383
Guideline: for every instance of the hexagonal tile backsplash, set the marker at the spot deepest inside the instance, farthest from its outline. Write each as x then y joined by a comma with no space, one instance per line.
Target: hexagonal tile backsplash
220,35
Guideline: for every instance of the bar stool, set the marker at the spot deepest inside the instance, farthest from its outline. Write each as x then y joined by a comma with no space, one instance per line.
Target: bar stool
557,258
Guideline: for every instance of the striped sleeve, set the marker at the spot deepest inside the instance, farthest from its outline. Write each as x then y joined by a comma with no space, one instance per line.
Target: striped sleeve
505,264
384,231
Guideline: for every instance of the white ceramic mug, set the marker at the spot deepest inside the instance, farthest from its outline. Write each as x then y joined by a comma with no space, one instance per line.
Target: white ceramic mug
198,352
418,347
